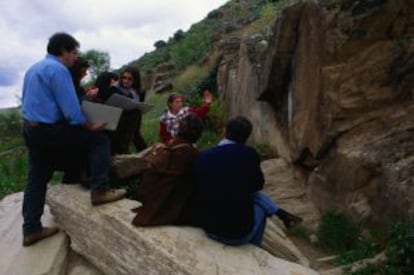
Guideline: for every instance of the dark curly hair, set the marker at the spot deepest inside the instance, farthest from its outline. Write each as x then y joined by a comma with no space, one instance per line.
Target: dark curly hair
190,129
60,42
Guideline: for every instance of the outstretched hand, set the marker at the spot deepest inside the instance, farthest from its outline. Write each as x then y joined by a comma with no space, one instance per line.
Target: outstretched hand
92,92
207,97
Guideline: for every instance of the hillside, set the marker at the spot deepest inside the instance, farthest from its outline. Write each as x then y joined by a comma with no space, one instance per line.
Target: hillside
189,60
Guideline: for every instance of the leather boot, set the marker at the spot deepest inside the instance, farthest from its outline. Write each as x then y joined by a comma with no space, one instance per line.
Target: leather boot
37,236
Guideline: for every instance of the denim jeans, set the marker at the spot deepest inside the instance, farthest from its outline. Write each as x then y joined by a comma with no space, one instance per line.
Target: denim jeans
263,207
60,146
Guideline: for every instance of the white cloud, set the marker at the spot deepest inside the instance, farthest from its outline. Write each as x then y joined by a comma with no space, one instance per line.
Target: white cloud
126,29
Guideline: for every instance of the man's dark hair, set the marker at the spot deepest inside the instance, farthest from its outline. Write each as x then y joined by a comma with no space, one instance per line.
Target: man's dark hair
190,129
60,42
238,129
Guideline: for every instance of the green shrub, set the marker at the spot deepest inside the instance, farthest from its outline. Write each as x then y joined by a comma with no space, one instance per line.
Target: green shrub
337,233
10,125
150,61
151,119
191,75
192,48
400,248
364,249
13,170
237,11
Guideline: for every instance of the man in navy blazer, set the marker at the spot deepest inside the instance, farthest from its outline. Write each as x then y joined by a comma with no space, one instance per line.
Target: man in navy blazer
228,203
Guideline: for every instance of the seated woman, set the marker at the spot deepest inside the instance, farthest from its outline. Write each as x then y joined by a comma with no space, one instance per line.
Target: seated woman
166,186
175,112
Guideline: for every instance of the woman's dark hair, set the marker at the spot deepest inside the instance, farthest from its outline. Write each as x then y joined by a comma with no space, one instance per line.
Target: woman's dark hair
135,75
61,41
103,83
173,97
76,69
190,129
76,73
238,129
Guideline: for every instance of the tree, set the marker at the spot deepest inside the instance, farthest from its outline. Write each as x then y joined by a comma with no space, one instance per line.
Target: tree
99,62
160,44
178,35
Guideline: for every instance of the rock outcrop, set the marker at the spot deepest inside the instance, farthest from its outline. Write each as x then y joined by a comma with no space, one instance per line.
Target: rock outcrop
105,236
286,187
102,237
48,257
329,88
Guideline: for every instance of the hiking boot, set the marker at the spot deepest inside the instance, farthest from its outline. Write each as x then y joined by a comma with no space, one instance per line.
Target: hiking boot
110,195
32,238
288,219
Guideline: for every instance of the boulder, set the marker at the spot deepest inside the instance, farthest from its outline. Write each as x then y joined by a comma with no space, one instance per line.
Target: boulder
78,265
105,236
285,186
46,257
129,165
279,185
51,256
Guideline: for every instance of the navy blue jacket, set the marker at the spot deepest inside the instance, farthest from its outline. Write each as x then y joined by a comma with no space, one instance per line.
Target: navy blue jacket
226,178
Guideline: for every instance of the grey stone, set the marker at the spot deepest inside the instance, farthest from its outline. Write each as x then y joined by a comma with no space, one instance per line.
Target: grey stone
105,236
47,257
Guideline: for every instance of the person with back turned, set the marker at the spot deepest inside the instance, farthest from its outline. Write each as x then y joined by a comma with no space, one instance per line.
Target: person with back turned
227,202
54,128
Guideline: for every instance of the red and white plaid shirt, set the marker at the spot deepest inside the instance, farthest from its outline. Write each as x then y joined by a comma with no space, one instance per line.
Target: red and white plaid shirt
169,122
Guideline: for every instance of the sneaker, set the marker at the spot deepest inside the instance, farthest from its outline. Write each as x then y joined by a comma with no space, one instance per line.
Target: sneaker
46,232
110,195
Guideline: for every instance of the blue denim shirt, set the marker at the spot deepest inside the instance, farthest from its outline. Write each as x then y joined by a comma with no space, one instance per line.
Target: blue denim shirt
49,95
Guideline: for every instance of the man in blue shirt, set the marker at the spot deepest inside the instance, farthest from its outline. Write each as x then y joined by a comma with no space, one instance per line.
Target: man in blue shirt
54,129
228,203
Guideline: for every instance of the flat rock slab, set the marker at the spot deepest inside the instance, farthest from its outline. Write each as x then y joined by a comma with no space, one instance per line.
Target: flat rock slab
46,257
105,236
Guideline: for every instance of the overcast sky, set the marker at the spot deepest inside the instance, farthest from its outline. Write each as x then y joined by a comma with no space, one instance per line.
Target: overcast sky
126,29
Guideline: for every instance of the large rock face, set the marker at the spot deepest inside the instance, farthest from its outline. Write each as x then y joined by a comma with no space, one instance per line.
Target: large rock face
105,236
329,87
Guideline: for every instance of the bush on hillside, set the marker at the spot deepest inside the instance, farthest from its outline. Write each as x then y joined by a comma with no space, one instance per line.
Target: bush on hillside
10,125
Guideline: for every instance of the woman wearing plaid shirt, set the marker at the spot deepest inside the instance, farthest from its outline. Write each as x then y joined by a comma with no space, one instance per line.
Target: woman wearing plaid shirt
170,119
